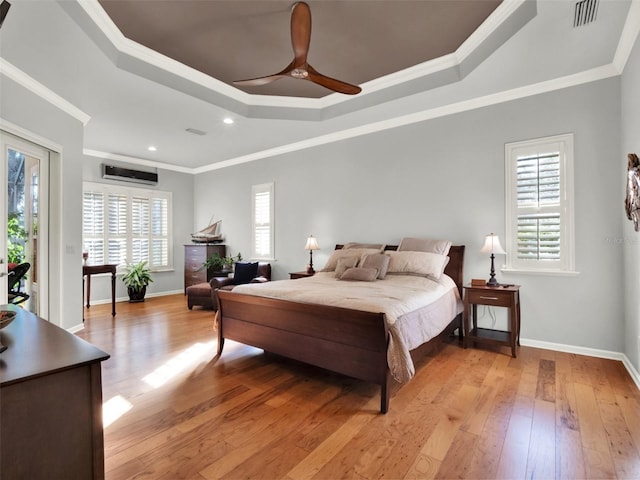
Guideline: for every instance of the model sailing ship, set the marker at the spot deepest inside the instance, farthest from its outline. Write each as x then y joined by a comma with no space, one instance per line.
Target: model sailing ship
208,234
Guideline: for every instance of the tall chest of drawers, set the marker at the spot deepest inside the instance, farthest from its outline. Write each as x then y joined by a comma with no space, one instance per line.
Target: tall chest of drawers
194,256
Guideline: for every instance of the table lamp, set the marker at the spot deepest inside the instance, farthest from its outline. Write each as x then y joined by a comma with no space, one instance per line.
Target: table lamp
311,245
492,246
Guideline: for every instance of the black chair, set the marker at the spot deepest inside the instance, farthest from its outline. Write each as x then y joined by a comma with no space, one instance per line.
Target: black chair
15,283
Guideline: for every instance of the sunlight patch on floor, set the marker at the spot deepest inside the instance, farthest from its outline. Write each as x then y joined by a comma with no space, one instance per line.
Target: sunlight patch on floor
113,409
170,369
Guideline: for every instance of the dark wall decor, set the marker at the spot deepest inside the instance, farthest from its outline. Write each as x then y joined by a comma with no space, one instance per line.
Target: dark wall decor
632,202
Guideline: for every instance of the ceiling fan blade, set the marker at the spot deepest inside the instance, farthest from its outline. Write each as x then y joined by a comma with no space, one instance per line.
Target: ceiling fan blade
331,83
252,82
300,32
4,9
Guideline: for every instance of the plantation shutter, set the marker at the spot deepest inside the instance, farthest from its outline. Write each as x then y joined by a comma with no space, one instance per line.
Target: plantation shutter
140,222
117,228
263,221
538,199
93,226
539,205
126,225
159,255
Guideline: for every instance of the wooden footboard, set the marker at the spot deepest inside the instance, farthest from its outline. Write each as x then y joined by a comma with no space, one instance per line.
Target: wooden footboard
351,342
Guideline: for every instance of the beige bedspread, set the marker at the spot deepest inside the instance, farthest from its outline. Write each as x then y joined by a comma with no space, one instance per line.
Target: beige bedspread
416,308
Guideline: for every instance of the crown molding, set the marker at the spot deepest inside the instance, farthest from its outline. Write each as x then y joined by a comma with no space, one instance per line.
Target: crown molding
136,161
12,72
628,37
588,76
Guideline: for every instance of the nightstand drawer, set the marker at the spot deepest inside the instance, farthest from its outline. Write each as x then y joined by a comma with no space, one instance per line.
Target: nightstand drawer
495,297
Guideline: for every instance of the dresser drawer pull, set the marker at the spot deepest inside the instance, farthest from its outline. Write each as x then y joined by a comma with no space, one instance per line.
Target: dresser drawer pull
489,298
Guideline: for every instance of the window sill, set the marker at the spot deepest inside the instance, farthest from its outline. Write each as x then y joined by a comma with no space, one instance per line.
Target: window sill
552,273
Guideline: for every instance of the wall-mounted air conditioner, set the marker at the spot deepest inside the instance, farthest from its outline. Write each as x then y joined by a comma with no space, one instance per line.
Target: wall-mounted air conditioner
113,172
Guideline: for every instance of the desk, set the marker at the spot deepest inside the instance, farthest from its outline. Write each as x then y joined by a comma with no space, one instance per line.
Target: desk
50,402
88,270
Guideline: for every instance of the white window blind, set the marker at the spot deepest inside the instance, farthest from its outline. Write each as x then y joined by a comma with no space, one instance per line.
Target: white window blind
540,204
93,225
262,221
126,225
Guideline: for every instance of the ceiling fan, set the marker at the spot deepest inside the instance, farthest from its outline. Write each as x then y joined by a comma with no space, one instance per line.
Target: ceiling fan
299,68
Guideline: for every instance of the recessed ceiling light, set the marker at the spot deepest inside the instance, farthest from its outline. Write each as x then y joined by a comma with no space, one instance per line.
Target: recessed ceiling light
152,148
228,121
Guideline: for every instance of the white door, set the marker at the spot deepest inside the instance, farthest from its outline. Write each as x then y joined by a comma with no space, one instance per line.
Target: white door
24,180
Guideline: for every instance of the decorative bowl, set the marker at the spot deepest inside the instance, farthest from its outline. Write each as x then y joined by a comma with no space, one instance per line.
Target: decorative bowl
6,317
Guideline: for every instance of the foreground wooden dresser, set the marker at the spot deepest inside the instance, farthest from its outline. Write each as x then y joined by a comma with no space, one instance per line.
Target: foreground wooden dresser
50,402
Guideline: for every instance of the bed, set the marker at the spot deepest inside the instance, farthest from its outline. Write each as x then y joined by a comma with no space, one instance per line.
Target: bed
356,340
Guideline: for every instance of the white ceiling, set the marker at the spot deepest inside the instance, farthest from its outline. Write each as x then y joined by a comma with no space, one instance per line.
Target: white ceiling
134,97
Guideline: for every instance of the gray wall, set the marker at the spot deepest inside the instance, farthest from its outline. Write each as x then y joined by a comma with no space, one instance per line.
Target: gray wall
629,241
181,185
19,107
445,178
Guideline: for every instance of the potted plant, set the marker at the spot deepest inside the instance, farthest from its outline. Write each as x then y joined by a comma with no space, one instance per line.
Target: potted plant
136,278
229,262
220,264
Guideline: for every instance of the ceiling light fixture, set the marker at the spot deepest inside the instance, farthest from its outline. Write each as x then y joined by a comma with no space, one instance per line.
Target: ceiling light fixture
151,148
228,121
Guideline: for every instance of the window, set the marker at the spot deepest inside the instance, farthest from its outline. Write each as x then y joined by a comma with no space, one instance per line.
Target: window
539,189
126,225
262,221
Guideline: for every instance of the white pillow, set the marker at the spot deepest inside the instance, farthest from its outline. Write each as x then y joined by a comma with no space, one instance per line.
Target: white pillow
331,264
418,263
424,245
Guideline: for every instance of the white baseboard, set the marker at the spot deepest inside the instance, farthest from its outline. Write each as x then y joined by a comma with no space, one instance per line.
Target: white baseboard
558,347
590,352
126,299
77,328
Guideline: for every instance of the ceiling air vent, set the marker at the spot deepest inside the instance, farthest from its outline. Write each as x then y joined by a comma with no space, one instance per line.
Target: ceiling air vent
195,131
585,12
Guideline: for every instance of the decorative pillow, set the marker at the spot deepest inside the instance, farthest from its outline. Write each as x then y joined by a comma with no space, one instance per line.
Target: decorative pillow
377,260
424,245
418,263
360,274
344,263
350,245
245,272
331,264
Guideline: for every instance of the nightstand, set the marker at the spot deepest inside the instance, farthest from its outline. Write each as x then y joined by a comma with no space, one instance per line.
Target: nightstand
501,296
303,274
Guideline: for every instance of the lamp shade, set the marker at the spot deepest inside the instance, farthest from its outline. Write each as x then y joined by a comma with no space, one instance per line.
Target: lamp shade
312,243
492,245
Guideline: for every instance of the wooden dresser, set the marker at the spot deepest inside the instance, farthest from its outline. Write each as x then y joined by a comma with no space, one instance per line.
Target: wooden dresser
50,402
195,255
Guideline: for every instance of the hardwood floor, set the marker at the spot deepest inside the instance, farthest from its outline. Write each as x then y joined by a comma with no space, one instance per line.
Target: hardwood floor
473,413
